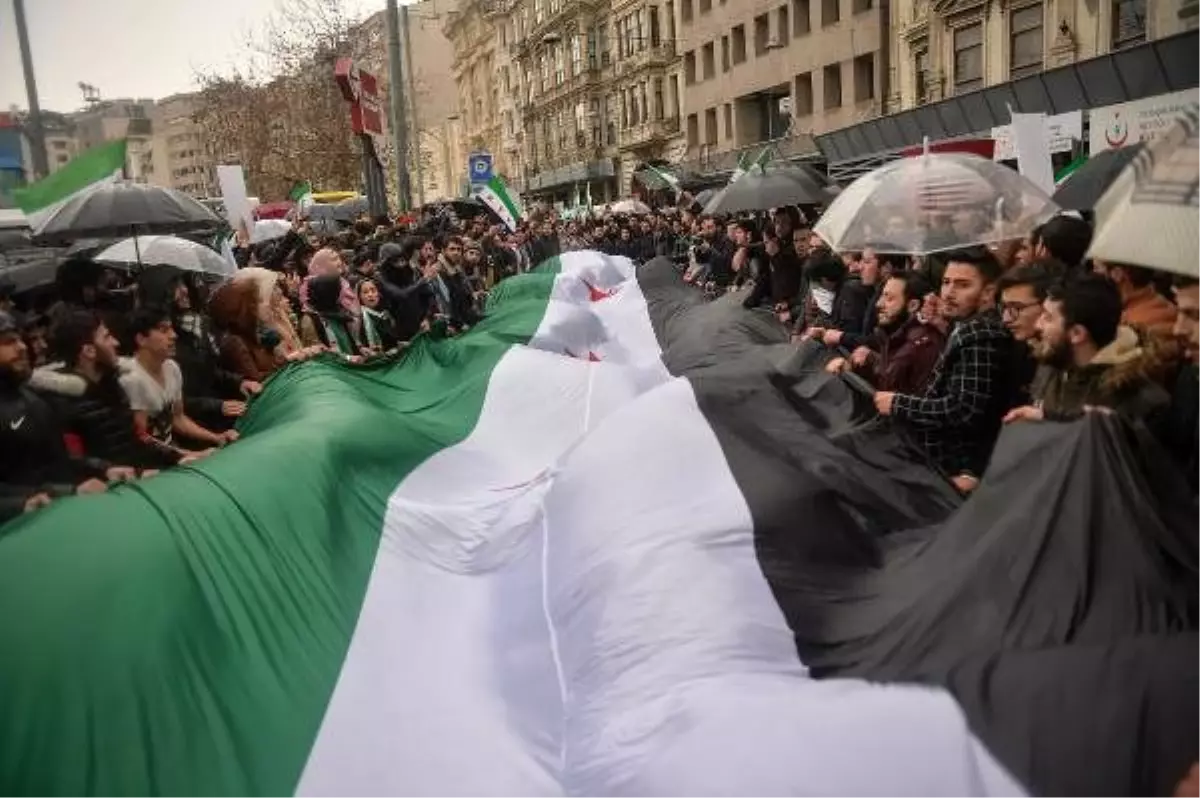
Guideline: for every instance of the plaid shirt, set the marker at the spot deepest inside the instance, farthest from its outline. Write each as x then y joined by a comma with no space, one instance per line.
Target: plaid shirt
957,419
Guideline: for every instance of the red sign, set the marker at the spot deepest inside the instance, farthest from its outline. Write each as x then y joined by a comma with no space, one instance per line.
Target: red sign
361,90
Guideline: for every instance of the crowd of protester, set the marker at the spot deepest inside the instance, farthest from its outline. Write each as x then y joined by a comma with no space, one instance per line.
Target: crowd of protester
128,374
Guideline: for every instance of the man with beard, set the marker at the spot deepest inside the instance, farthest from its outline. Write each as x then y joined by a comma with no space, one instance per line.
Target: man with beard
1093,360
36,466
956,418
712,257
87,394
1022,292
451,289
901,353
1177,426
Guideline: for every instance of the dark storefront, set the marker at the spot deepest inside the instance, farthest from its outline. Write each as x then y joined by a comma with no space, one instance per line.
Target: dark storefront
1147,70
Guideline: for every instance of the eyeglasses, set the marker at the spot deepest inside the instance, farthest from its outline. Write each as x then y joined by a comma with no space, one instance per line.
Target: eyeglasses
1014,309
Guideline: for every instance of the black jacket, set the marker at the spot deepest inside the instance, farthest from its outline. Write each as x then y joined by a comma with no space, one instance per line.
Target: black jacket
35,458
98,414
1177,426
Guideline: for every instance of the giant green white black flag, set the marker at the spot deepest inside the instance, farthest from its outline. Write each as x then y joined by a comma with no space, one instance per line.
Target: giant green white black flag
568,552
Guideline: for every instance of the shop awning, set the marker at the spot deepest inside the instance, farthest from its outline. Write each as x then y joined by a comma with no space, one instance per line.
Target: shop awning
1157,67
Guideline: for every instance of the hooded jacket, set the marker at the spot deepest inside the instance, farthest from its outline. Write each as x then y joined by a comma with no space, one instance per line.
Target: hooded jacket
98,417
36,459
1120,377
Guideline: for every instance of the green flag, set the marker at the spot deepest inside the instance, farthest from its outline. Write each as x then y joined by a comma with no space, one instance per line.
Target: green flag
302,195
496,195
101,164
1069,169
745,166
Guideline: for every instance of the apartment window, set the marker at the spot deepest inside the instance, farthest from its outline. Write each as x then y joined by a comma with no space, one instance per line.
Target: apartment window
738,44
728,121
689,67
660,106
801,17
783,30
762,34
833,86
1128,23
831,12
859,6
968,58
655,28
705,6
576,54
693,130
1025,41
804,95
709,60
864,78
921,76
675,112
685,11
725,54
710,126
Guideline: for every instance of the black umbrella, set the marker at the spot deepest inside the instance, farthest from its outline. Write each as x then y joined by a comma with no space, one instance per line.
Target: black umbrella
122,209
1084,187
467,208
23,270
771,187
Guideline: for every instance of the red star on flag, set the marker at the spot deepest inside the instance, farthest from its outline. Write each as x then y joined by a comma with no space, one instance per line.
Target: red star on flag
591,356
596,295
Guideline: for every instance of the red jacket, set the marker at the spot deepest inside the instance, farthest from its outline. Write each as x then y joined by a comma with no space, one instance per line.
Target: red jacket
905,357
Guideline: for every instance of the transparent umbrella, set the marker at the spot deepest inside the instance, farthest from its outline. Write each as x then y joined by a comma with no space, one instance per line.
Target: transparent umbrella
934,203
629,207
1149,216
166,251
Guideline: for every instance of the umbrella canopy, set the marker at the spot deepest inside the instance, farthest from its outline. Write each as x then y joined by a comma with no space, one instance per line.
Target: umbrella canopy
179,253
629,207
934,203
269,230
1083,188
771,187
1150,216
118,209
26,269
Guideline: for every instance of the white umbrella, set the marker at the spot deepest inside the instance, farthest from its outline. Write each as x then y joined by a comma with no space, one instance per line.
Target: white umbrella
629,207
933,203
165,251
1150,216
269,230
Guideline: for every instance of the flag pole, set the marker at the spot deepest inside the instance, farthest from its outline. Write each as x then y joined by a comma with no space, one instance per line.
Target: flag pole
36,133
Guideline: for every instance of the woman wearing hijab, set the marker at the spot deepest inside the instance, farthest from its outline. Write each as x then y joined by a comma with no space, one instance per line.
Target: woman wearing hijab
326,322
257,337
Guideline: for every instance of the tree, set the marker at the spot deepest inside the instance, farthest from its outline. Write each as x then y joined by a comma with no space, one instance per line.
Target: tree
282,116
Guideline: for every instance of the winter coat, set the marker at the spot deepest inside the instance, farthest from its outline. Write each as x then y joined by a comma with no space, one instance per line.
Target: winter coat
98,418
904,358
1119,377
36,458
1178,425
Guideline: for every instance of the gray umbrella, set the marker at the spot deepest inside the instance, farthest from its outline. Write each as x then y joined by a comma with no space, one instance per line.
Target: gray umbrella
771,187
118,209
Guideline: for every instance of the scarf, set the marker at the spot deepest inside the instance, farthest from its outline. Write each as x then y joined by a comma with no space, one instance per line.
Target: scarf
337,334
370,318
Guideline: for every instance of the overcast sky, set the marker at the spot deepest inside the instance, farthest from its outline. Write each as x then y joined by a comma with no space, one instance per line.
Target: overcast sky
127,48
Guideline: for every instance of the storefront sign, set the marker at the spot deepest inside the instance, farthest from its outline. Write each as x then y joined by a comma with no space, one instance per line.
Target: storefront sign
1062,130
1128,123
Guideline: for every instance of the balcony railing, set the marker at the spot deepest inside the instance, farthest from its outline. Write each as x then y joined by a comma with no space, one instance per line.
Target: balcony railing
650,132
661,55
